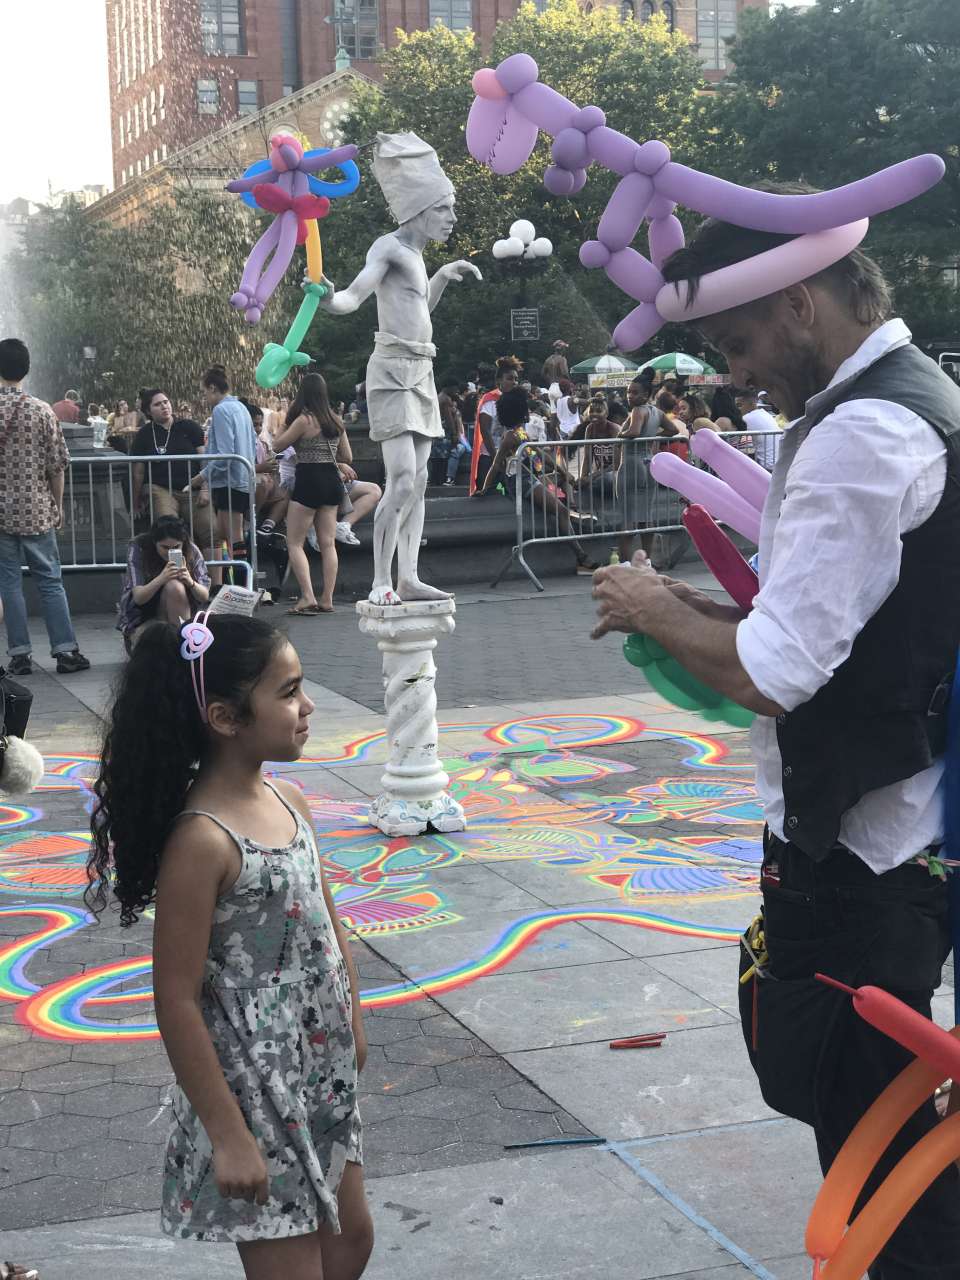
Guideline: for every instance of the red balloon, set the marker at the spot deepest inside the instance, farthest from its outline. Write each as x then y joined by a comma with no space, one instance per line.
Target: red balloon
721,556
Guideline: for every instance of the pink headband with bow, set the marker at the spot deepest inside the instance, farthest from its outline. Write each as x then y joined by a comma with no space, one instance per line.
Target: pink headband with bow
197,639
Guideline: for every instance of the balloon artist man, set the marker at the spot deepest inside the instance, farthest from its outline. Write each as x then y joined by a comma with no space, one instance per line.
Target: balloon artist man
401,396
846,657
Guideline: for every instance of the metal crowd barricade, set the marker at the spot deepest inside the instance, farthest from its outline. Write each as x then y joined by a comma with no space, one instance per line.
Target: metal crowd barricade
100,516
560,496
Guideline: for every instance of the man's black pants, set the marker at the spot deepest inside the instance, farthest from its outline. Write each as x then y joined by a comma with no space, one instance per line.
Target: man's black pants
815,1057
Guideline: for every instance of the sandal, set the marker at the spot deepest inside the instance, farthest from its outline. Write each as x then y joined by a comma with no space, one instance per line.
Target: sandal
310,611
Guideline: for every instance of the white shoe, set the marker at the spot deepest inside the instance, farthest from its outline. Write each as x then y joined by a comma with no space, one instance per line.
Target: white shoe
344,533
312,538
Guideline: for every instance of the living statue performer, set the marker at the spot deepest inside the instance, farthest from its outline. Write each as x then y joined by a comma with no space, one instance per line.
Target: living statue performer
401,396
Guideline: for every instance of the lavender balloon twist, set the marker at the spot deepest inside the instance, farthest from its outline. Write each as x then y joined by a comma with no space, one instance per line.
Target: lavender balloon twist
512,106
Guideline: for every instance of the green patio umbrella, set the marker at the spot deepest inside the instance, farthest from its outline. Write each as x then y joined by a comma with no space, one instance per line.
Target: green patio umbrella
604,364
678,362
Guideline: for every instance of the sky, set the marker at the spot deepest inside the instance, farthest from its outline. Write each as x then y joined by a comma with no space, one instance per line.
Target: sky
59,89
54,83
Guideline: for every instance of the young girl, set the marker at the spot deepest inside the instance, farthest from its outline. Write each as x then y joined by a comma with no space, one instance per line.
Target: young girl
255,990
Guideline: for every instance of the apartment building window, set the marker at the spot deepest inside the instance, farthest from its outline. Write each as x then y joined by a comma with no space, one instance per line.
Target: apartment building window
221,23
668,12
716,23
153,107
357,24
163,151
156,155
646,11
117,55
455,14
146,118
139,168
248,97
149,12
162,105
159,29
136,119
125,35
208,97
123,134
142,24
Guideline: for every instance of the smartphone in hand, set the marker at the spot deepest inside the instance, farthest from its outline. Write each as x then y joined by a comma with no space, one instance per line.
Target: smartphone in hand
175,557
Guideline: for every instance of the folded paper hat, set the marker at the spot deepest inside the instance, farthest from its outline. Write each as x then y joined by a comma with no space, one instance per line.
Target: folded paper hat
409,174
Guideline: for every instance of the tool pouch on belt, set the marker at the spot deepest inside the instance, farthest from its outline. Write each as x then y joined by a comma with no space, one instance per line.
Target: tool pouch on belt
786,1026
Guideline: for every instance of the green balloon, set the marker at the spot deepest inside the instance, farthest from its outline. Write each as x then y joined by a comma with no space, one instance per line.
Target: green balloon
675,683
279,358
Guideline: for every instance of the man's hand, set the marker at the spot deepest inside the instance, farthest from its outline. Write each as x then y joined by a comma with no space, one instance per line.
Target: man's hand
347,471
625,594
58,517
455,270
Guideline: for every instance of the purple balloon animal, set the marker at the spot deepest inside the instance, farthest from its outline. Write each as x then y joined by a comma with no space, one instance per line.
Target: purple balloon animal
502,129
290,172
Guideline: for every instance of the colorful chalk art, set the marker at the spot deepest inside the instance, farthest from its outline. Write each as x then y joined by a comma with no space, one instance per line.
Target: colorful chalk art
535,795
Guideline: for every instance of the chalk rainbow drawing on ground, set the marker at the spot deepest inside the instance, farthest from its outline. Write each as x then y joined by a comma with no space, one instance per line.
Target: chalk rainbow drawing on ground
389,886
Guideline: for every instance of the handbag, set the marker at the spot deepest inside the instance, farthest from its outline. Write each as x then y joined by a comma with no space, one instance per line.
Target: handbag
15,703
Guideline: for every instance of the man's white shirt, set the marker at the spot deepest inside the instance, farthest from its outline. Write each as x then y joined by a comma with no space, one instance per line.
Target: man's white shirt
841,496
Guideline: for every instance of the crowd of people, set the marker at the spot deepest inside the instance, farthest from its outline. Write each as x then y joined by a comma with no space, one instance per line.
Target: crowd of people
295,456
280,473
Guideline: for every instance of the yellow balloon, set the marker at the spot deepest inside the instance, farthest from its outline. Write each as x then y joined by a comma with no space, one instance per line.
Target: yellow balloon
314,252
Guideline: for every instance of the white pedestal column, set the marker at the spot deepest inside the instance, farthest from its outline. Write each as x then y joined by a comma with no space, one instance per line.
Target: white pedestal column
414,796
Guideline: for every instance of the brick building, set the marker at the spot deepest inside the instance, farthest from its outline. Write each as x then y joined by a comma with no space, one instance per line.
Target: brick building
182,69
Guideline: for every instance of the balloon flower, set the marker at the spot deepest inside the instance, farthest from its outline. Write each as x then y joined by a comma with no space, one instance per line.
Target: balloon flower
844,1253
512,106
285,184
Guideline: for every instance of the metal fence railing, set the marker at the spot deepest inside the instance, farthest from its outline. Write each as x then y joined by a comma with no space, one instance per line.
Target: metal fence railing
108,500
582,490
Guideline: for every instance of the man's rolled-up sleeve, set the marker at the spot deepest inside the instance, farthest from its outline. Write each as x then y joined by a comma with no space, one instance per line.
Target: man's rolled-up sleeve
835,556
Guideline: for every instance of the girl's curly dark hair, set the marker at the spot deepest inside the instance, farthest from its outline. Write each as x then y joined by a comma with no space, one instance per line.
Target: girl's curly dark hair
152,745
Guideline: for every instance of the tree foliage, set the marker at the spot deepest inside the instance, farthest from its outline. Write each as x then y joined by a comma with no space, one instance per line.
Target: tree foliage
830,93
823,95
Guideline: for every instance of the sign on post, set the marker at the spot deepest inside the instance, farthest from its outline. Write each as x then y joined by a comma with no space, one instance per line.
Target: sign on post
525,324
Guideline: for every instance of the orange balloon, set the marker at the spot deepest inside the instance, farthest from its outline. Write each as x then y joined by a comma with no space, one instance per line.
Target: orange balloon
857,1158
893,1200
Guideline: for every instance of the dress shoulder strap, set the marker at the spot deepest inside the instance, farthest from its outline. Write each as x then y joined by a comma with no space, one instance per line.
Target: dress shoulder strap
202,813
295,813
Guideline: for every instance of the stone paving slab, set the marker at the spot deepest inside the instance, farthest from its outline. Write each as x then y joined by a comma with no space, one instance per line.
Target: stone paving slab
699,1078
766,1209
547,1217
464,939
576,1005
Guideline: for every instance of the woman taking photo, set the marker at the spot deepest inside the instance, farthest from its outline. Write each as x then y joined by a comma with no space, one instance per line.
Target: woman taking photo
166,579
318,436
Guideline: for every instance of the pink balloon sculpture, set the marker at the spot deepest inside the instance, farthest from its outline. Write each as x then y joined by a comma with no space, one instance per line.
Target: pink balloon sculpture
512,106
720,499
285,190
735,495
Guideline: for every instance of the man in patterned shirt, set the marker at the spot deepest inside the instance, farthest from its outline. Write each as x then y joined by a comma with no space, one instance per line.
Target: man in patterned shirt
33,459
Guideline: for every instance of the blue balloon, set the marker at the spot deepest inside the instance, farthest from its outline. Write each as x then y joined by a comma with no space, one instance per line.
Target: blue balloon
333,190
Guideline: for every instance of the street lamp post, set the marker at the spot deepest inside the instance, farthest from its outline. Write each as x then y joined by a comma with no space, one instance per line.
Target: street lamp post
522,245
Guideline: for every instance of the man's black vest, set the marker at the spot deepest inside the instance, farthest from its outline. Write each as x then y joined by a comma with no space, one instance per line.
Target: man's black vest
881,718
